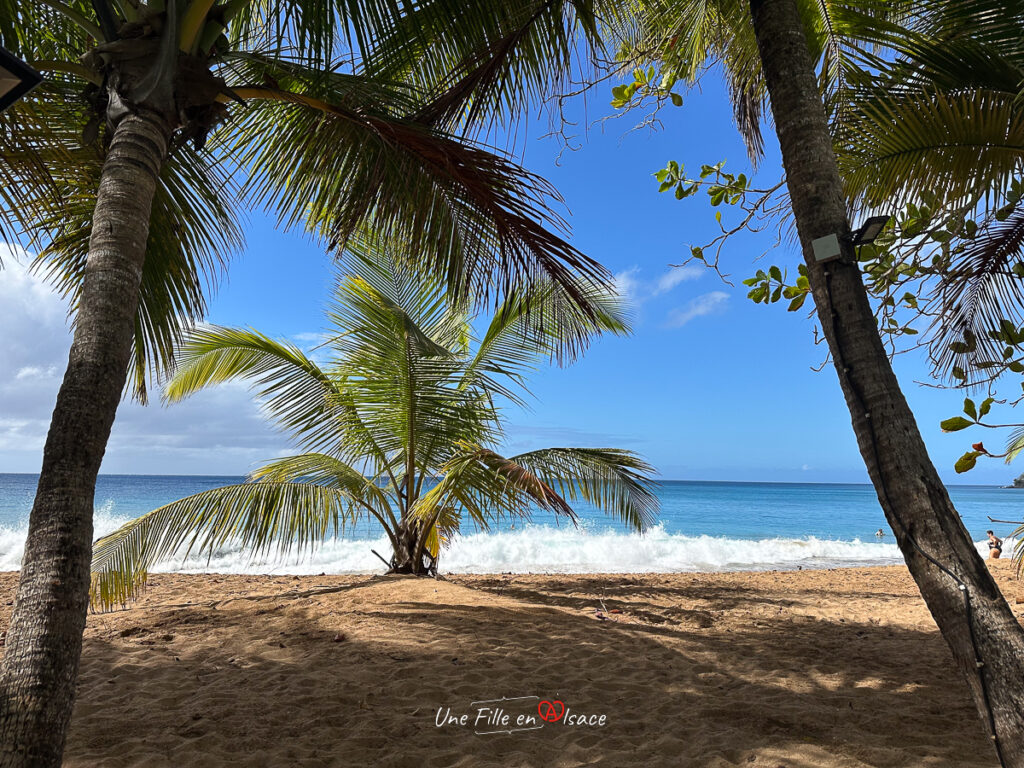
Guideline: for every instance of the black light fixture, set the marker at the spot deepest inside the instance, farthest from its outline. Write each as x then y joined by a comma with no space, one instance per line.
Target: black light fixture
16,78
828,248
869,230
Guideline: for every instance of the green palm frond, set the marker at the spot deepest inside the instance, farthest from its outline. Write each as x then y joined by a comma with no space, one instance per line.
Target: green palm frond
527,327
339,161
941,114
482,61
957,146
61,31
993,23
42,155
979,292
614,480
487,487
325,471
261,517
331,472
292,387
193,233
398,376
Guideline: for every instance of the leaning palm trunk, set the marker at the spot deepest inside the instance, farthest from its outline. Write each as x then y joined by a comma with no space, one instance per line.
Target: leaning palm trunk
984,636
44,642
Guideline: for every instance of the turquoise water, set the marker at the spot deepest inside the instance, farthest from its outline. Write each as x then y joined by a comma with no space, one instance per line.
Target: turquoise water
702,526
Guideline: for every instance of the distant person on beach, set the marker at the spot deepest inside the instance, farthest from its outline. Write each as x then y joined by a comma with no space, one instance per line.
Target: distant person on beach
880,533
995,546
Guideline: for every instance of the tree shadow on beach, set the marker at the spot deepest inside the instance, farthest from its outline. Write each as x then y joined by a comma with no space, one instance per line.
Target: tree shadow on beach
577,590
357,678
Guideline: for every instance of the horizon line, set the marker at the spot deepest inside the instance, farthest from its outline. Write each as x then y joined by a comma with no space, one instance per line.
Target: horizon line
660,480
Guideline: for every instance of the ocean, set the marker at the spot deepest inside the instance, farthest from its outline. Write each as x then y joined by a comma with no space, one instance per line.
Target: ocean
703,526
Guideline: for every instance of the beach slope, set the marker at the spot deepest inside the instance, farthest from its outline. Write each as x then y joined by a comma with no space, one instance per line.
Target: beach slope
809,669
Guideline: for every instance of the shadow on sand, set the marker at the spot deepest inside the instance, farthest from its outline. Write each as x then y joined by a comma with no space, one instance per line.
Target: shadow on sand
355,676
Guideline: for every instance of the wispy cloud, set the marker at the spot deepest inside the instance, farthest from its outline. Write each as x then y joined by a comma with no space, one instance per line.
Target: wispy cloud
638,289
310,338
705,304
675,276
627,283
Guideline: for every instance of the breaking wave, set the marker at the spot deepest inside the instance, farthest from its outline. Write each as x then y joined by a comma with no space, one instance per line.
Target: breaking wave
535,549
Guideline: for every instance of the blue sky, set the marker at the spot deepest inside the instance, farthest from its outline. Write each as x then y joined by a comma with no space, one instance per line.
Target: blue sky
709,386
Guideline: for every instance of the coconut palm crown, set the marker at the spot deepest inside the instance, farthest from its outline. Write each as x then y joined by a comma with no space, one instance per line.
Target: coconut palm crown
399,425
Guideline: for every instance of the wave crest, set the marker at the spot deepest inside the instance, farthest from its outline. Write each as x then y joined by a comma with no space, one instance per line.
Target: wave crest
533,549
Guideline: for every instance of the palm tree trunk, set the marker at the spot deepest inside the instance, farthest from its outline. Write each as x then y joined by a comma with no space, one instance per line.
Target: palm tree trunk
409,554
985,638
44,643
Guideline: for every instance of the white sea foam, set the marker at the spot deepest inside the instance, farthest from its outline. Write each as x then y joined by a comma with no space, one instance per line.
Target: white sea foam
12,540
536,549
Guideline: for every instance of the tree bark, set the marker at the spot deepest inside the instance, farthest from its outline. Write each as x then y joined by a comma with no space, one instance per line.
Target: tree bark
44,643
971,613
410,556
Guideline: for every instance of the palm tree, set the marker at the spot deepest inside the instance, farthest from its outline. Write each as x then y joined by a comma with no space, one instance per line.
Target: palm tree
123,167
808,60
399,426
979,627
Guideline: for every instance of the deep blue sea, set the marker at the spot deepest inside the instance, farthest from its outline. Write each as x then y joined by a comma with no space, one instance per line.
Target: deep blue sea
702,526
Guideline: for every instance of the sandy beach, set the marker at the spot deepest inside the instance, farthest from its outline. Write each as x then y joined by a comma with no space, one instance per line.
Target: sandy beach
808,669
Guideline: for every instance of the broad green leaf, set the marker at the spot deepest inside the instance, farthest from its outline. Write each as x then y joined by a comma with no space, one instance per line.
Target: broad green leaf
955,424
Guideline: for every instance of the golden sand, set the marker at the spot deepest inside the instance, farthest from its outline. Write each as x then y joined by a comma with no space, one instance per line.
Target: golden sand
808,669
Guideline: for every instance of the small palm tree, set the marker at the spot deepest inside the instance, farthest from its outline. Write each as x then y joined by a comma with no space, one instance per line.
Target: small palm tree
399,426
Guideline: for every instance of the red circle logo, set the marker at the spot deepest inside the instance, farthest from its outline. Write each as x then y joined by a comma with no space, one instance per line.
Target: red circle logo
550,711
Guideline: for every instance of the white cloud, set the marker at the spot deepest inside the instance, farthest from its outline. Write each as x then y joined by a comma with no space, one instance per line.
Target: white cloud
310,339
705,304
626,283
35,372
675,276
216,432
638,290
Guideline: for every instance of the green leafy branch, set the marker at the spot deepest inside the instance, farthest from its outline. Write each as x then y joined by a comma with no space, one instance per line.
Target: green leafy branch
973,415
647,83
771,286
760,207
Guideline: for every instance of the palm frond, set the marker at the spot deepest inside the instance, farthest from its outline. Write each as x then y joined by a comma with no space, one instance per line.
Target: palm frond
325,471
953,145
260,517
481,61
979,292
1014,445
528,326
339,161
294,390
331,472
193,233
40,146
488,487
614,480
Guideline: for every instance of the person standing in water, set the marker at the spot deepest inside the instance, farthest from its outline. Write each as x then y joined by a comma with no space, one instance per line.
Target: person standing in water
995,546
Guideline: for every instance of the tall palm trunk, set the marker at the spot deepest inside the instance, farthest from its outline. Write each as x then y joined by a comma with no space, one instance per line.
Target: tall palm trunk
44,643
985,638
